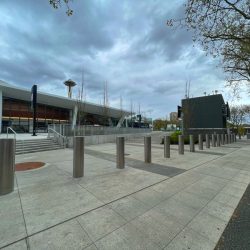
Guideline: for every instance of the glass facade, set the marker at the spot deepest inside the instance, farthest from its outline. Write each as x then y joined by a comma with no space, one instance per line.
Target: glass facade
18,115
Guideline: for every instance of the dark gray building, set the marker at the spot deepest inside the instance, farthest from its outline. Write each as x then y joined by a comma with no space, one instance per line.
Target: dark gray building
206,114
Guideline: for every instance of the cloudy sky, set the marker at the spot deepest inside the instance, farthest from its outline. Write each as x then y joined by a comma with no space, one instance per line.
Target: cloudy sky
125,43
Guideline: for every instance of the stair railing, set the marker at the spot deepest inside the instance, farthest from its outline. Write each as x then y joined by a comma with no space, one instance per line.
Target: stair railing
56,137
12,130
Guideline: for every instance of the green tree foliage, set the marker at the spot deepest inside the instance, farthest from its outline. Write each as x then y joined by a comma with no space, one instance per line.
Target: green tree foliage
239,115
222,27
57,3
160,124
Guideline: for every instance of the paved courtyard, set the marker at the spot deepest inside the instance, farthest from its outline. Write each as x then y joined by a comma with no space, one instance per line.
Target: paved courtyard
184,202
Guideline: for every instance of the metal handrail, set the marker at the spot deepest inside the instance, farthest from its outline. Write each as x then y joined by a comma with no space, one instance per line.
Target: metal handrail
14,132
58,135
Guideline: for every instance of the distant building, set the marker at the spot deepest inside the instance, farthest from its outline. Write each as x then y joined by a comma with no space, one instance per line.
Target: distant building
206,114
15,110
173,116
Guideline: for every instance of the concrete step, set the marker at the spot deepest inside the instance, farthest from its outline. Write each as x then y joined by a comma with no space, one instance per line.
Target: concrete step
33,142
37,145
34,151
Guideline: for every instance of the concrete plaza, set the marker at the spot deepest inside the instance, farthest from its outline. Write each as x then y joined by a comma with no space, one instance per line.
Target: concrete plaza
184,202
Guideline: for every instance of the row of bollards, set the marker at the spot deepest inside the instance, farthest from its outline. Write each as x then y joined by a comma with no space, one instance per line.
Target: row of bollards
7,154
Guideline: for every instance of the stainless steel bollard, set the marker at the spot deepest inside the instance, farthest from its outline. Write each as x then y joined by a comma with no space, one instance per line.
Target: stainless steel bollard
200,142
120,156
226,138
78,157
166,146
213,140
229,138
7,165
222,139
218,140
147,149
207,141
181,144
191,143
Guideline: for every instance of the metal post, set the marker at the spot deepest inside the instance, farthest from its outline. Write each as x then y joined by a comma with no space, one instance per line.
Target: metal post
207,141
78,157
167,146
200,142
181,144
191,143
147,149
226,138
218,140
229,138
120,159
235,138
222,139
213,140
7,165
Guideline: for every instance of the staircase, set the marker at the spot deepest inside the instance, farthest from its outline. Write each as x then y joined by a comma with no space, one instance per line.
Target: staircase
36,145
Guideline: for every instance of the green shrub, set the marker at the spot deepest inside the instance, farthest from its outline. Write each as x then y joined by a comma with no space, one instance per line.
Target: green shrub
174,138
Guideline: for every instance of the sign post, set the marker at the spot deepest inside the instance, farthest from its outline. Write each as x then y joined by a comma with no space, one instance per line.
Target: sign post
33,106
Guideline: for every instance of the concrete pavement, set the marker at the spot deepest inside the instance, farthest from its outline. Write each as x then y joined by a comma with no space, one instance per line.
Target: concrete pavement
187,207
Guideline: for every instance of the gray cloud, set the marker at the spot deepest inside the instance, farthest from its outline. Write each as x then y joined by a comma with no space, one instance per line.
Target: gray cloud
126,43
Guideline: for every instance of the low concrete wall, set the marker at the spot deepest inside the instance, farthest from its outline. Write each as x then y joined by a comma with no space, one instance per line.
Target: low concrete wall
101,139
203,131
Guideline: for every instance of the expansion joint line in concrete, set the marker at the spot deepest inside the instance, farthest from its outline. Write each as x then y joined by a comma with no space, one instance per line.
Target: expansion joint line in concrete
209,161
74,217
198,212
26,230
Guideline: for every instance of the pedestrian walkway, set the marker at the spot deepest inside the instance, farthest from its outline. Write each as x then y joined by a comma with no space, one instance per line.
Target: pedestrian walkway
131,208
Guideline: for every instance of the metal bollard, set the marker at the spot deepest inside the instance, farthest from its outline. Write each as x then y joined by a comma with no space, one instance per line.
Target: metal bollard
78,157
147,149
229,138
166,146
213,140
235,138
218,140
120,156
191,143
7,165
222,139
200,142
226,139
181,144
207,141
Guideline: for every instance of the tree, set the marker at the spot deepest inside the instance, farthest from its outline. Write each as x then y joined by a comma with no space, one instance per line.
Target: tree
222,27
81,102
238,116
57,3
160,124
